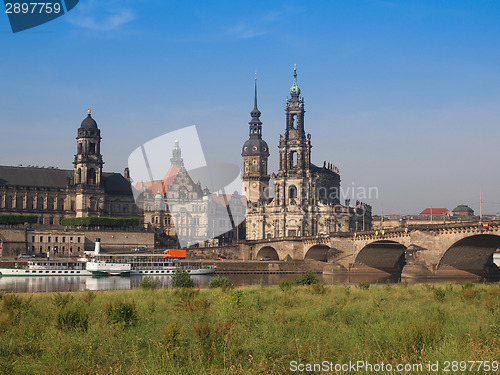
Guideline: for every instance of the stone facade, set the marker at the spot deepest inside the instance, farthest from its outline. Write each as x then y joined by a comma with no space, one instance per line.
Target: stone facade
54,194
306,198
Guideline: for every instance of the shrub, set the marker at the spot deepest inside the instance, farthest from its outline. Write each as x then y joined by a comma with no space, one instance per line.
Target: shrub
220,282
12,219
469,294
72,319
61,300
149,284
439,294
181,279
319,288
12,302
285,285
186,293
101,222
364,285
122,313
88,297
306,279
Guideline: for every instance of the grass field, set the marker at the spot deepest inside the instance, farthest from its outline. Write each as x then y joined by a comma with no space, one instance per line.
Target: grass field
257,330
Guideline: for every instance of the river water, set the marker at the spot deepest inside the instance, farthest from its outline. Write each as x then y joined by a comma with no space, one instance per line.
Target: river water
79,283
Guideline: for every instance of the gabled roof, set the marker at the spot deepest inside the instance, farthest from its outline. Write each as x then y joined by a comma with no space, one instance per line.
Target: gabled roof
435,212
157,186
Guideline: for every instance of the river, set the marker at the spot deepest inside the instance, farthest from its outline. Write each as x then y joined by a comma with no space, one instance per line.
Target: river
79,283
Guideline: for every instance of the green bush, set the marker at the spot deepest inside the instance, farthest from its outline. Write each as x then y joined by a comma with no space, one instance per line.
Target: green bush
12,302
61,300
439,294
149,284
285,285
181,279
72,319
364,285
101,222
11,219
220,282
122,313
306,279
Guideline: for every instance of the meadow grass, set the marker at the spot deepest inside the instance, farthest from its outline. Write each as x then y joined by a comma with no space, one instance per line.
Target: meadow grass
251,330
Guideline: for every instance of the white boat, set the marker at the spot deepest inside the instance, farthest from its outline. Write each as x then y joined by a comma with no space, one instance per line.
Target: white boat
48,268
144,264
109,265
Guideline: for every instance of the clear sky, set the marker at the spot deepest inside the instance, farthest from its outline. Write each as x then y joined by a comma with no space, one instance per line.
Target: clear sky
400,95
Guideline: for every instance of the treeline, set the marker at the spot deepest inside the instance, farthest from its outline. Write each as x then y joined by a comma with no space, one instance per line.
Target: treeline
101,222
11,219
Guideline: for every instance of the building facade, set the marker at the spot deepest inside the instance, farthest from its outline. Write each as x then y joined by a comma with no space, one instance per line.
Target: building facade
306,199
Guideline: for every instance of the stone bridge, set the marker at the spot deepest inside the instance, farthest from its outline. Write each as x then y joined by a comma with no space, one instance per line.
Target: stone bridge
432,251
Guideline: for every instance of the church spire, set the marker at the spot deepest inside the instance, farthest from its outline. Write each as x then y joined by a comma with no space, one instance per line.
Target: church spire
295,90
255,111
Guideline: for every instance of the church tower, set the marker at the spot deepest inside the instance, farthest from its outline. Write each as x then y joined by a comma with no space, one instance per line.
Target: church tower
292,182
255,154
87,172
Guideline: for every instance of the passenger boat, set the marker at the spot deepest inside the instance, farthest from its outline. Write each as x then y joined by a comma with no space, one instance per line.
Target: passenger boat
108,265
144,264
46,267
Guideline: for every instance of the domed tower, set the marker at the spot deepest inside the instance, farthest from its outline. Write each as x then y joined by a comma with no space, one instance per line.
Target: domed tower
255,154
88,160
87,172
291,184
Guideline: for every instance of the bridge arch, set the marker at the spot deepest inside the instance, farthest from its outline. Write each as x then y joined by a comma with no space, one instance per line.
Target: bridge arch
472,254
321,252
268,252
383,255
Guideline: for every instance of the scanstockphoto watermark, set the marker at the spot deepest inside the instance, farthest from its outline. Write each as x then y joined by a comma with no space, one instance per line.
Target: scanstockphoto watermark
365,366
201,200
322,193
25,15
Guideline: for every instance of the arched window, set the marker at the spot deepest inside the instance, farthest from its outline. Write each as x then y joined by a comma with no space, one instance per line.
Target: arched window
50,203
8,201
91,148
39,203
20,203
292,192
60,204
91,176
29,203
293,159
79,176
79,147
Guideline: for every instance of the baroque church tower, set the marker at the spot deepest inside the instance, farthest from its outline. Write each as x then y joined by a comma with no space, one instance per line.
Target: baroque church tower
255,155
292,182
87,173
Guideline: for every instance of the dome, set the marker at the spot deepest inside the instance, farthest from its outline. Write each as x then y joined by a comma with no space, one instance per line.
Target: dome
295,90
255,146
89,123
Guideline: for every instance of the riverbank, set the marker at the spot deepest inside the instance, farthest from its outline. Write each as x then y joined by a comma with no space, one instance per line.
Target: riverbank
247,330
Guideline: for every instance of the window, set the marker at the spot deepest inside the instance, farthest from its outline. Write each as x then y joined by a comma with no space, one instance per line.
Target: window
50,203
125,208
293,159
39,203
51,220
32,238
78,239
63,239
292,192
57,239
29,203
20,203
48,239
60,204
41,238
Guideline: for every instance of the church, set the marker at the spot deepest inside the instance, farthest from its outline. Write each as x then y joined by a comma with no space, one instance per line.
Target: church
306,199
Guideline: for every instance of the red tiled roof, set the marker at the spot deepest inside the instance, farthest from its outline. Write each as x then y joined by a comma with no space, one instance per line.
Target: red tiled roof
156,186
223,198
435,212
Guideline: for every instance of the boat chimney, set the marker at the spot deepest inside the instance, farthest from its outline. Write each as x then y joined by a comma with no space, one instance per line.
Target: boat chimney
97,248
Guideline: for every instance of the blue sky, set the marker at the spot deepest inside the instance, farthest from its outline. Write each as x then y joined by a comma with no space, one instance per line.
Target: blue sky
401,95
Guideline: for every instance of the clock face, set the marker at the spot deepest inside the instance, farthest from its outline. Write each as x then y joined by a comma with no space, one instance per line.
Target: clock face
254,184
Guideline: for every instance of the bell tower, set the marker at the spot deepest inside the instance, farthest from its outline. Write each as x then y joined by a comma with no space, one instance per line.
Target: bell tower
255,154
87,172
292,180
